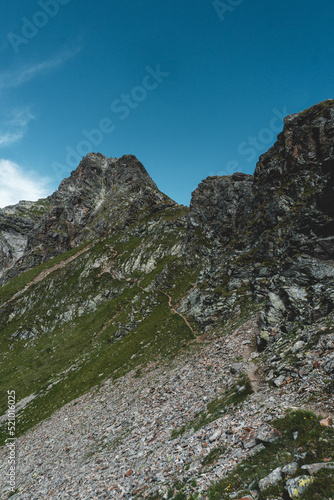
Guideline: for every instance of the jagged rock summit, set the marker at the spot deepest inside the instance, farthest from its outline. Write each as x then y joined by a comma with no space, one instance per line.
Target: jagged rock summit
102,193
156,344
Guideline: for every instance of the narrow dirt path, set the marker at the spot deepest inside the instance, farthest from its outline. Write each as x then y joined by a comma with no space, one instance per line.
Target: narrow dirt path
244,337
175,311
172,308
41,276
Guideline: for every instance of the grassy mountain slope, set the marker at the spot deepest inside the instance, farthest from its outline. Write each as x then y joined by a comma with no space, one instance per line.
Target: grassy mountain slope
95,312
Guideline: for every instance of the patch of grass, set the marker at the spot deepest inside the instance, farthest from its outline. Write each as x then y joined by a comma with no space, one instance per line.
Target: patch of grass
178,432
30,371
180,496
213,456
313,439
236,395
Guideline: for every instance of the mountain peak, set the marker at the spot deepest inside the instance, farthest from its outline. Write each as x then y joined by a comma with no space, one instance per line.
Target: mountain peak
100,195
96,169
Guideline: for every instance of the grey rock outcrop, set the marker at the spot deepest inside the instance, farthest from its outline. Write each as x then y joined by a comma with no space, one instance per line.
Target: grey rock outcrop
218,211
16,223
274,232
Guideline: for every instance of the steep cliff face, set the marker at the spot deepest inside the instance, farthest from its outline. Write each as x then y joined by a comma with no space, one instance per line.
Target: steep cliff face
275,232
293,210
16,223
294,183
218,211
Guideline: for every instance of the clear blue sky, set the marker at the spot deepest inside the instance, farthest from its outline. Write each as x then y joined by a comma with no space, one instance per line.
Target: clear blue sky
204,85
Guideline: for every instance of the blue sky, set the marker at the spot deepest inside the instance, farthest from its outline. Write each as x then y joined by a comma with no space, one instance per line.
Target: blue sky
192,89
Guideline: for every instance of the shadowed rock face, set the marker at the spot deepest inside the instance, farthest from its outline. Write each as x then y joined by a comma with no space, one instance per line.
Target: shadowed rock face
218,210
298,172
294,203
275,231
16,223
291,193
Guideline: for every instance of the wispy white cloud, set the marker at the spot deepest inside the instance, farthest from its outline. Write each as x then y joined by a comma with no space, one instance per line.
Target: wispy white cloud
15,78
21,117
15,127
8,138
16,185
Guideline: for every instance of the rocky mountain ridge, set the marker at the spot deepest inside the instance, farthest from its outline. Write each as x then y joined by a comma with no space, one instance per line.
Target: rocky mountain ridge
100,193
108,281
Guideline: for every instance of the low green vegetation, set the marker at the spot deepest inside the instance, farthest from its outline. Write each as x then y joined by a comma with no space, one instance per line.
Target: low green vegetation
213,455
302,439
234,396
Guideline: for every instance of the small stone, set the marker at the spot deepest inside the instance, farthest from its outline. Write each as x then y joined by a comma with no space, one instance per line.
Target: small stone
129,473
279,381
314,468
256,450
298,485
305,370
267,434
298,346
254,355
271,480
300,456
325,422
249,440
235,368
254,493
215,436
290,469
